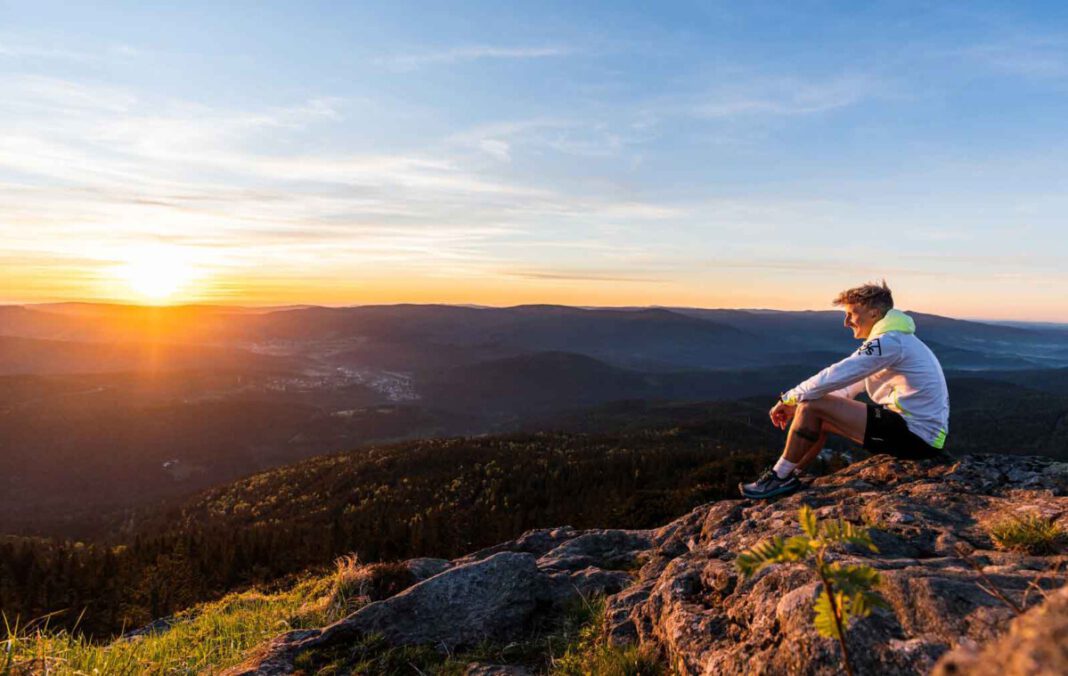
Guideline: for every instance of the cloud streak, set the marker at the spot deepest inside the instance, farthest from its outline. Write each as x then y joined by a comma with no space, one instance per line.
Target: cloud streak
788,97
583,276
16,47
453,55
1030,55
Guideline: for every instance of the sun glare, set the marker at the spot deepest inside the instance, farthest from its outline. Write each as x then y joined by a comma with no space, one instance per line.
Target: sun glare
156,276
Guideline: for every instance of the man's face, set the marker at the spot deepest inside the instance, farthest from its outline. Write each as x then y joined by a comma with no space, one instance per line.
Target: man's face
860,319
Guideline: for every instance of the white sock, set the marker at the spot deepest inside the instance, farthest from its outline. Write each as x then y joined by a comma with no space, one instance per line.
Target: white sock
783,467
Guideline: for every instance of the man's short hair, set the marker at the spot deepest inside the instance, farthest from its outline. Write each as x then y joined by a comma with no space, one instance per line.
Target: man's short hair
875,296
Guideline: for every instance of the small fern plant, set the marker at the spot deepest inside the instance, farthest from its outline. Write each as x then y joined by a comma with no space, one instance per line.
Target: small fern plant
848,590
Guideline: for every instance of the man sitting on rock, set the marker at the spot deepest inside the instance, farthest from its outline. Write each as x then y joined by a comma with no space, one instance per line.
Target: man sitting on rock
910,416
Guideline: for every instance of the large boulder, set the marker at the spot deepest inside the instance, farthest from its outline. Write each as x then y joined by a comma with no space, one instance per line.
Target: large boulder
491,599
462,606
1036,643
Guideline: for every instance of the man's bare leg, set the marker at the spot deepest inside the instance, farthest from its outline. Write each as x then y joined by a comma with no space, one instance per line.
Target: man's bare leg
814,450
806,437
815,419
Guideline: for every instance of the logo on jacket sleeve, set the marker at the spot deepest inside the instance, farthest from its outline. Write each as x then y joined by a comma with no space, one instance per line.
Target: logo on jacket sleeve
872,347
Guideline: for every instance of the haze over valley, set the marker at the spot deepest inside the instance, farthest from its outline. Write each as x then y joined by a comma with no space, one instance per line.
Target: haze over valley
107,410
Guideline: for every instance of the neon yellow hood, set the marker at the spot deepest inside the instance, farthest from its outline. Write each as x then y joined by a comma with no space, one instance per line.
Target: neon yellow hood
894,320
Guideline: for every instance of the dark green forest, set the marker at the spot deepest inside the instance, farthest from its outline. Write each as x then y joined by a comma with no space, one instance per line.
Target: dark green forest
630,464
441,497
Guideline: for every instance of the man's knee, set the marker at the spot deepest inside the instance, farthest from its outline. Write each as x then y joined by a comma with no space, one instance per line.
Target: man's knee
807,423
808,411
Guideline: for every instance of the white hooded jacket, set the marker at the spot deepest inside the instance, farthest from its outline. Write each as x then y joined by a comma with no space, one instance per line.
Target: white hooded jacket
897,370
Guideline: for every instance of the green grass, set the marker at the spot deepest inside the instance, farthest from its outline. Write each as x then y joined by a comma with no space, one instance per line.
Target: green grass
1031,534
588,654
214,636
207,638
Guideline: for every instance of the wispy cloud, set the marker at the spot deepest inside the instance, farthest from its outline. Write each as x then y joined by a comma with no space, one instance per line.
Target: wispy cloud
787,96
622,132
496,148
413,60
575,137
38,94
584,275
16,47
1029,56
499,139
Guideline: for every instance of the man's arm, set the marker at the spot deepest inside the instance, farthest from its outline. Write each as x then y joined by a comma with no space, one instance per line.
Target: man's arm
850,391
781,413
873,356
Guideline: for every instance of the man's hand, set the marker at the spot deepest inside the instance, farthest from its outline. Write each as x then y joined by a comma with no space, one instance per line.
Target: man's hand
781,415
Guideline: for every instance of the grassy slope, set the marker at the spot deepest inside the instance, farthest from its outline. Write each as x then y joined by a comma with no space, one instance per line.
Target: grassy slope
204,638
211,637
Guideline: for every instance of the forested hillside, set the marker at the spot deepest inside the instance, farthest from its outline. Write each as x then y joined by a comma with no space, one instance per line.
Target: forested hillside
441,497
629,464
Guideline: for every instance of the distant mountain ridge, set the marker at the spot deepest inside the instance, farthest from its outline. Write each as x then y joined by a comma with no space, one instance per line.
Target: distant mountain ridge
95,393
644,338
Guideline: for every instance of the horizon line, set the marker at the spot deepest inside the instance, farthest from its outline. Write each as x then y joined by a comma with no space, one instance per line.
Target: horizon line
480,306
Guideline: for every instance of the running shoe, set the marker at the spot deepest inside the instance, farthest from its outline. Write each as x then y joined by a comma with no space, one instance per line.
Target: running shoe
769,485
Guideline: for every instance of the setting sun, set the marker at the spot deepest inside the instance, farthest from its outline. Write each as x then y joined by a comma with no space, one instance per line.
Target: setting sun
157,276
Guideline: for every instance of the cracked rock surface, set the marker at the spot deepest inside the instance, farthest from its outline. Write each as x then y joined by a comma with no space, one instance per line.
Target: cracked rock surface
676,588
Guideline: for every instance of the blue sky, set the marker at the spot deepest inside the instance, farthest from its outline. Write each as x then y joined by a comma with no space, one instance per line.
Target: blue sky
734,154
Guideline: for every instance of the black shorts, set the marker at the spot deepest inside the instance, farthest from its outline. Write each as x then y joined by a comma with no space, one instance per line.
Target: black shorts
886,432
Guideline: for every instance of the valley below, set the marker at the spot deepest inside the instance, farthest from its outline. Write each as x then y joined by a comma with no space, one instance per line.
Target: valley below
156,404
154,459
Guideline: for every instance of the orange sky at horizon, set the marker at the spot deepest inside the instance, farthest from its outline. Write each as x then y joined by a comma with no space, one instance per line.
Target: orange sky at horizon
504,158
712,290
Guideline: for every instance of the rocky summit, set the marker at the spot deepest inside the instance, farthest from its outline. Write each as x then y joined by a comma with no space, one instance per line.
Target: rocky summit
959,599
